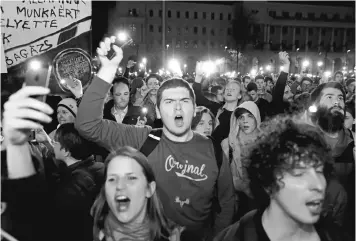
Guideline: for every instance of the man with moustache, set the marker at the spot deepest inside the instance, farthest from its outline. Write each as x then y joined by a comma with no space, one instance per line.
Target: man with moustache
327,111
329,100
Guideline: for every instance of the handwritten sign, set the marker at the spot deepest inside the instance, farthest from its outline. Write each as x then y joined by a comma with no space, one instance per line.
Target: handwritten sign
33,27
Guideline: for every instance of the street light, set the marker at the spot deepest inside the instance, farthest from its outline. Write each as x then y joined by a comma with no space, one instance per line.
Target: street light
281,68
268,67
348,51
305,63
327,74
297,49
320,63
144,60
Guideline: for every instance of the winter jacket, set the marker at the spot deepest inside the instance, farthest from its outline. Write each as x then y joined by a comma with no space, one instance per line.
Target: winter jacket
239,148
131,116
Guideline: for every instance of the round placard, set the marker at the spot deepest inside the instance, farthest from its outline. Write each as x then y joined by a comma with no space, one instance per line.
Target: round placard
73,62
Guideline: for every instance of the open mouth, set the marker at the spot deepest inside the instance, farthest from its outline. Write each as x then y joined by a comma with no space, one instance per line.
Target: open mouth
315,206
178,119
123,203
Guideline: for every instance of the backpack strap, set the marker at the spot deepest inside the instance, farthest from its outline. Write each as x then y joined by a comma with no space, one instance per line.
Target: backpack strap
151,142
219,159
218,152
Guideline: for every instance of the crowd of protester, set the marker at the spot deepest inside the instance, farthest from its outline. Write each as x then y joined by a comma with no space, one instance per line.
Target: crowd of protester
181,158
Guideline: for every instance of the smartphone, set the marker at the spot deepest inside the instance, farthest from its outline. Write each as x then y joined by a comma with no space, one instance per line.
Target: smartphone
120,41
143,113
38,74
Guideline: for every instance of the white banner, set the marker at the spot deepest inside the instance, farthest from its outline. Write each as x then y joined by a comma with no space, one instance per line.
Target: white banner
32,27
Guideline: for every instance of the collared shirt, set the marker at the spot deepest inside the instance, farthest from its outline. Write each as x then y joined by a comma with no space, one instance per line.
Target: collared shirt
119,114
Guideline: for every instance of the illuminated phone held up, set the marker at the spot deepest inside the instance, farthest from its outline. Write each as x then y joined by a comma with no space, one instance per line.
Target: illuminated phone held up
122,39
143,113
38,73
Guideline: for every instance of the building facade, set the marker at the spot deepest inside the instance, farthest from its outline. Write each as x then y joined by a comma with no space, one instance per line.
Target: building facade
196,31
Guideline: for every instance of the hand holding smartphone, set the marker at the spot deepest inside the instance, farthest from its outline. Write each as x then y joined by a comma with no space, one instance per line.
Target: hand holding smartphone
38,74
121,40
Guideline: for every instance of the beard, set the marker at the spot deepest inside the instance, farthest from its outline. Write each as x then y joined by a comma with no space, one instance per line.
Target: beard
330,120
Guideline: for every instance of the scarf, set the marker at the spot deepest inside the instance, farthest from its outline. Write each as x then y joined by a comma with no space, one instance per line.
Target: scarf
116,231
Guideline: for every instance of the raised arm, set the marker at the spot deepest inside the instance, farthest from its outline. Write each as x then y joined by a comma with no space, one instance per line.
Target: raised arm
89,121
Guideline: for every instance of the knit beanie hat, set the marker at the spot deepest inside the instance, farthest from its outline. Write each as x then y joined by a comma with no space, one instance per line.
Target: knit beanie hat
70,104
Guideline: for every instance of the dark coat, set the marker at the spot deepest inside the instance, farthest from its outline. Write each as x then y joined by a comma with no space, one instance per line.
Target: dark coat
40,210
250,228
132,114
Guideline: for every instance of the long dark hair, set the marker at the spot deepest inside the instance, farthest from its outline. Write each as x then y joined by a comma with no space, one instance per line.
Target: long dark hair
159,224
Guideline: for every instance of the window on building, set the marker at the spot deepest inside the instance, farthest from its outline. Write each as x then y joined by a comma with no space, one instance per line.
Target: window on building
229,32
298,15
221,32
187,14
178,14
212,45
151,13
324,16
285,30
272,14
204,30
348,18
296,43
195,44
323,31
169,29
272,30
212,16
212,32
178,31
133,12
203,43
132,27
310,31
256,28
285,14
169,13
195,30
229,16
350,32
186,44
310,43
204,15
297,31
221,16
178,44
336,16
160,29
311,16
186,30
151,28
160,13
336,32
195,15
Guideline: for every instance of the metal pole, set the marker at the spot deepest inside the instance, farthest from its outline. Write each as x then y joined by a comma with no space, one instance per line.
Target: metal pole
163,32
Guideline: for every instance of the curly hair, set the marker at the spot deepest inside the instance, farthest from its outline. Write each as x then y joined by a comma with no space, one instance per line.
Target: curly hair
283,145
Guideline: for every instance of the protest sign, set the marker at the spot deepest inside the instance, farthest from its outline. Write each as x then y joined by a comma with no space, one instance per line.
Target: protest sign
42,29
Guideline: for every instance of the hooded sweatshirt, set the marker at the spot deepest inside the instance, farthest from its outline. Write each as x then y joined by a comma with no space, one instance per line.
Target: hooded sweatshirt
239,144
